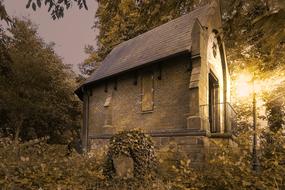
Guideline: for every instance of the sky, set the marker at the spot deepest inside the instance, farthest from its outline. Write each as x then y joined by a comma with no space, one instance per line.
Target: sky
70,33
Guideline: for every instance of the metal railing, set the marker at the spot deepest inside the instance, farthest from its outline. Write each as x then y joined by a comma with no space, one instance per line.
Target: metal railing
220,115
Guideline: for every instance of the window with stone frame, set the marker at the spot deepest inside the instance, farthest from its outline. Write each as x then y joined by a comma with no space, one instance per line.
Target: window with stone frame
147,90
108,110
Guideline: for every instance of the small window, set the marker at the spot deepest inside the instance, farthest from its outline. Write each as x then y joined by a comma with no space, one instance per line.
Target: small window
147,92
108,111
108,101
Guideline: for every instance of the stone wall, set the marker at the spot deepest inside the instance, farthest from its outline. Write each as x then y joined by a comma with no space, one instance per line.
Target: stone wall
194,148
171,101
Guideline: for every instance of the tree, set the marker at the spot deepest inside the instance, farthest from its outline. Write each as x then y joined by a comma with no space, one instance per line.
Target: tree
56,7
254,33
3,13
36,92
275,109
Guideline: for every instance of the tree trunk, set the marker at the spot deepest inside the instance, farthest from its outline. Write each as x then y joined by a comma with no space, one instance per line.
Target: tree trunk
18,127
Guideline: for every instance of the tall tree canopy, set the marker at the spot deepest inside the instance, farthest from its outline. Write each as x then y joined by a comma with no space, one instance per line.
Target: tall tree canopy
36,91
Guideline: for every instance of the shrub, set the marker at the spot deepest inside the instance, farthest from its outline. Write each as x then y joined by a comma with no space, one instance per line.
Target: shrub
36,164
136,145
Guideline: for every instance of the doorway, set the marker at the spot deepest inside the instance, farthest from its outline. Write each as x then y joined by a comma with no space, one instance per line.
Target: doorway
214,104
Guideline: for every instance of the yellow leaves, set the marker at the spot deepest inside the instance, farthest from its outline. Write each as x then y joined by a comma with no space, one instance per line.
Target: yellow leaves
24,159
43,167
126,6
246,183
121,20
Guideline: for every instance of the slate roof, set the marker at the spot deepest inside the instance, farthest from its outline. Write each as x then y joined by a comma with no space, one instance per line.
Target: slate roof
163,41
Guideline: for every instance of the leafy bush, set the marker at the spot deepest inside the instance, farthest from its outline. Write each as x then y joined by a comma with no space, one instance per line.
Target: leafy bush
136,145
231,168
36,164
175,169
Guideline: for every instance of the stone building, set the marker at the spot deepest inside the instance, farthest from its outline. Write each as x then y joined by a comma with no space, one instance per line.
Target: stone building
172,82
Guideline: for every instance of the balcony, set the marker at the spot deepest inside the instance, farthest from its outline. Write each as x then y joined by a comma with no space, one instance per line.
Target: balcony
220,118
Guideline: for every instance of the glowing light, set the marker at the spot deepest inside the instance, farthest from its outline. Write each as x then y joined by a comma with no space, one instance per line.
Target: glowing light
244,85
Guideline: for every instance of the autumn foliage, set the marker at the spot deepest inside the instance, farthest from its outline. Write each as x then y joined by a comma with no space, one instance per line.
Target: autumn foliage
36,164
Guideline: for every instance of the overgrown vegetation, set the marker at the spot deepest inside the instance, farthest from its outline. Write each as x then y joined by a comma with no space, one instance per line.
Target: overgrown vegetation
135,145
36,164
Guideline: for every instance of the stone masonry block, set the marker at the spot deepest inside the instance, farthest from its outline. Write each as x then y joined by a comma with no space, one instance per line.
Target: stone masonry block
194,122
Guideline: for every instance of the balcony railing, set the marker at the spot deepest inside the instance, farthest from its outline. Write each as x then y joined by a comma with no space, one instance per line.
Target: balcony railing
220,115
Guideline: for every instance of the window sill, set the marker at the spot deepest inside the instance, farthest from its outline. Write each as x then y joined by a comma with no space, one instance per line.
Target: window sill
146,112
108,126
220,135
